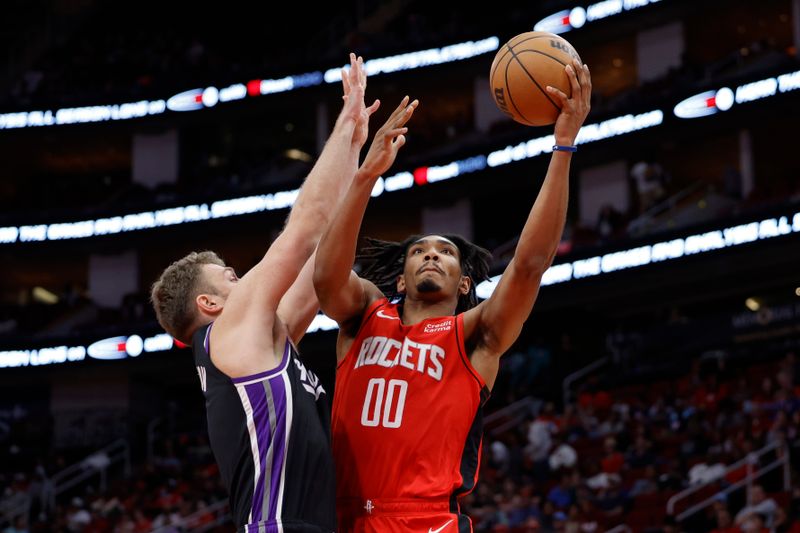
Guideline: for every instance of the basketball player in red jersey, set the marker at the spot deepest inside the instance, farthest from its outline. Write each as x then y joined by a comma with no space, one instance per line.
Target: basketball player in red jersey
412,376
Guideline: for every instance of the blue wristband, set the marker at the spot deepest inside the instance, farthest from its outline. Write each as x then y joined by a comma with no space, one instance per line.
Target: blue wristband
563,148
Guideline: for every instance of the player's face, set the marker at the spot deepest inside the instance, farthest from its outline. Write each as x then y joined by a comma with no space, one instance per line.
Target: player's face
221,279
433,266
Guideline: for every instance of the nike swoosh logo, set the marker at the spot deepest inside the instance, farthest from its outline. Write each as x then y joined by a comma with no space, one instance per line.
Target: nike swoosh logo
382,315
441,528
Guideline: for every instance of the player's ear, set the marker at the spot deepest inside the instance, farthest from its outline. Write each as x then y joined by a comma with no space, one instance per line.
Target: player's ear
401,284
209,304
464,285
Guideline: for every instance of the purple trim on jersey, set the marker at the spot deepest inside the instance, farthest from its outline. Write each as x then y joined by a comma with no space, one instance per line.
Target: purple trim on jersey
279,393
205,342
269,373
268,401
263,425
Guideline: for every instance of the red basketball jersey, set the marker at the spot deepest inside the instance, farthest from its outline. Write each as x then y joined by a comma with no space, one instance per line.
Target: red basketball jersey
407,418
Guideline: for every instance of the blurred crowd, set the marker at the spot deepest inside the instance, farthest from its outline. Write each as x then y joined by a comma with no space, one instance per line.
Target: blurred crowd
617,456
611,456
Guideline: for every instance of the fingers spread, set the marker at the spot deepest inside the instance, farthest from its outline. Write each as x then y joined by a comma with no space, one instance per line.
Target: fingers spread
400,108
395,132
374,107
407,113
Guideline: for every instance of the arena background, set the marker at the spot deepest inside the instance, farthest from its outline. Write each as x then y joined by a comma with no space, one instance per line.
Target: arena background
655,386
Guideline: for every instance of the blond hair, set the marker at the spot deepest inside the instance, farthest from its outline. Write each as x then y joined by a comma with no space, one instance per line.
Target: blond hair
174,293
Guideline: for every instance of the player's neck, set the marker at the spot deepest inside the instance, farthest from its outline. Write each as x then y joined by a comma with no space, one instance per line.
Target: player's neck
415,311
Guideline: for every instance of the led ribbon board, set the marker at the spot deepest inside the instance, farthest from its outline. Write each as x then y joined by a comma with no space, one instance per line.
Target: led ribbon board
121,347
661,251
284,199
710,102
702,104
208,97
112,348
577,17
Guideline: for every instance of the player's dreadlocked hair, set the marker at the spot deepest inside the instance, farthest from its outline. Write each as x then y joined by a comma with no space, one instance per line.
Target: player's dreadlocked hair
384,261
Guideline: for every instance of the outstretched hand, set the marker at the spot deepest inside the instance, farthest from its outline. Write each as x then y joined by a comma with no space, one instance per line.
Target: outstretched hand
354,83
575,109
388,140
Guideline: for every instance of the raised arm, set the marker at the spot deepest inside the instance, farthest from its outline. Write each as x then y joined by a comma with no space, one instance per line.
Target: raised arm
251,308
299,305
342,295
496,323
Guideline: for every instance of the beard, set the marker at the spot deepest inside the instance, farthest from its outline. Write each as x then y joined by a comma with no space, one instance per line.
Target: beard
428,285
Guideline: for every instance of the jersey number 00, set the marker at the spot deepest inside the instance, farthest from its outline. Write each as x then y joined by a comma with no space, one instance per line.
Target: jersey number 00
380,400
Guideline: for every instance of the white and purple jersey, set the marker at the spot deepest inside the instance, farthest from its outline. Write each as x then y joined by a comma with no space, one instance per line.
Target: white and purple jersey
270,434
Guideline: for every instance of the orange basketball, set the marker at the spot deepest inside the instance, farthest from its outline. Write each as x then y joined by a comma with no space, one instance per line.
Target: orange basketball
521,71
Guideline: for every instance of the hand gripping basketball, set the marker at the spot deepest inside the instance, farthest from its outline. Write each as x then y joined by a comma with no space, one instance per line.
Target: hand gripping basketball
573,109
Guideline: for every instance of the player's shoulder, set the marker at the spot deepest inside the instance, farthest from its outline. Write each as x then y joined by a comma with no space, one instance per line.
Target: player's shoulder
246,347
372,294
374,299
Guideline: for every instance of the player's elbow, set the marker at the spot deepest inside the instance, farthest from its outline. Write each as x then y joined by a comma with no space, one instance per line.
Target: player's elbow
322,281
531,266
326,285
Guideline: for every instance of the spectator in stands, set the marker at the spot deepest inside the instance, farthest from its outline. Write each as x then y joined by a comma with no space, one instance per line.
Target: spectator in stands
760,504
754,523
725,522
706,471
563,455
641,454
614,422
610,223
647,484
562,495
540,439
649,179
499,456
613,461
77,516
559,521
612,501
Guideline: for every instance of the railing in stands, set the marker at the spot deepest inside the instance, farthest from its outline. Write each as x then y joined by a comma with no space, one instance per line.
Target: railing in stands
97,463
645,222
511,415
753,473
13,508
579,374
152,434
198,521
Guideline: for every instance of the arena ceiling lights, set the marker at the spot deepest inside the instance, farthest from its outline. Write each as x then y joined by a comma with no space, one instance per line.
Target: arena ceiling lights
208,97
577,17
